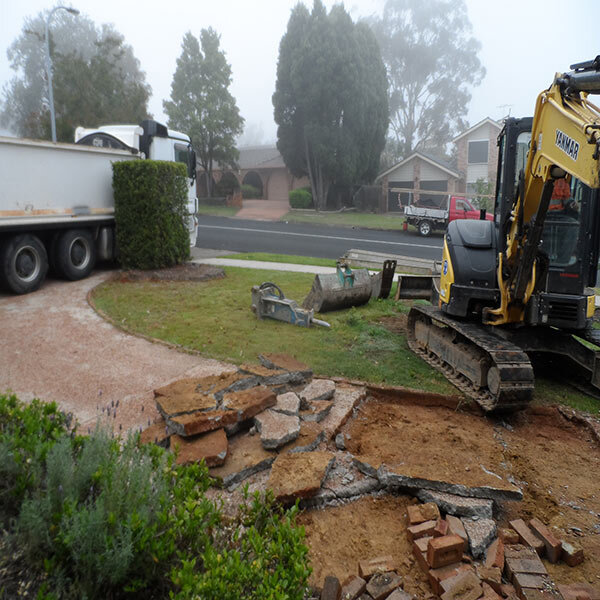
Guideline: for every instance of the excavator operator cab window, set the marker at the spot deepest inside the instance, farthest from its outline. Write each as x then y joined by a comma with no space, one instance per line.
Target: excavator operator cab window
563,220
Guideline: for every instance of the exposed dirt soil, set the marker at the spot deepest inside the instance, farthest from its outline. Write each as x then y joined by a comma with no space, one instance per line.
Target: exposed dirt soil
185,272
555,462
340,536
395,324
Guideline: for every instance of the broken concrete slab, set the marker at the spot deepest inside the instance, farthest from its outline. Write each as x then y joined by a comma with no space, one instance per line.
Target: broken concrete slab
246,457
286,363
181,398
318,389
310,438
201,422
288,404
210,447
458,505
343,481
345,399
299,475
248,403
219,385
155,434
276,429
275,377
394,481
317,411
481,533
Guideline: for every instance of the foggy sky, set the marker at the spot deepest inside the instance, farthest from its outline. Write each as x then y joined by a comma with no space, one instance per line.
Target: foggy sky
524,42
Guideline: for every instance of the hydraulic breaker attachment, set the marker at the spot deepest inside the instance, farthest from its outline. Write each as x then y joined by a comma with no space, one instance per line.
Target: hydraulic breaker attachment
268,300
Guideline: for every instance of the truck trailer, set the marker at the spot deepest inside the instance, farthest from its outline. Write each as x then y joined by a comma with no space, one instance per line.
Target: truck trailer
56,199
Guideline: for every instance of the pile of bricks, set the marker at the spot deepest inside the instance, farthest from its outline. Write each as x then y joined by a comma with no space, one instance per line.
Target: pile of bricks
377,579
512,567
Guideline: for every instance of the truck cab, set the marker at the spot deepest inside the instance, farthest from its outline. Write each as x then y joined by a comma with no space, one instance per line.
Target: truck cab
152,140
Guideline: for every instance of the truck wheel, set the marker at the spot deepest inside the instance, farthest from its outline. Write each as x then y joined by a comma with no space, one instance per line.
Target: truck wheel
424,228
74,254
23,263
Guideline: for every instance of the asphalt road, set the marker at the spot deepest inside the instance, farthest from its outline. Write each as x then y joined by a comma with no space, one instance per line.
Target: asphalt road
239,235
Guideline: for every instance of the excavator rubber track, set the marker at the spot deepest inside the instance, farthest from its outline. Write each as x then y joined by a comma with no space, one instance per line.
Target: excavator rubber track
494,372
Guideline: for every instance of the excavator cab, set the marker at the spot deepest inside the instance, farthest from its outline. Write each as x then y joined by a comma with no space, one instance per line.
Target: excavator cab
569,248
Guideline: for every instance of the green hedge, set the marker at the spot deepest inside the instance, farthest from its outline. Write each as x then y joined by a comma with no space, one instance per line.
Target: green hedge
150,213
301,198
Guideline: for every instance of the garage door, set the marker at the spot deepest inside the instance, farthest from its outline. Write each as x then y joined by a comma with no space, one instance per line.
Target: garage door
278,187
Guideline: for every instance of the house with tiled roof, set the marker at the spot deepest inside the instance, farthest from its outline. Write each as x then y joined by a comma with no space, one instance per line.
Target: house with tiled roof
263,168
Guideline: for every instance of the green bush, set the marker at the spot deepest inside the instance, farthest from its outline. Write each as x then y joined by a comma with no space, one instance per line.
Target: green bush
301,198
150,213
249,191
102,518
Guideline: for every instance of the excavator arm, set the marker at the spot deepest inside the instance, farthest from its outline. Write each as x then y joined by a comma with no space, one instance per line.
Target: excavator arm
565,143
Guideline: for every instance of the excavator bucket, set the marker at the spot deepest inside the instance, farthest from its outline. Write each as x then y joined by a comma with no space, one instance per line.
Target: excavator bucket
418,287
348,288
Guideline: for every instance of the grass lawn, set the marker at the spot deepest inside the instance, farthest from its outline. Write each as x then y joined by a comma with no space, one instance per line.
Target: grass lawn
346,219
217,211
283,258
214,319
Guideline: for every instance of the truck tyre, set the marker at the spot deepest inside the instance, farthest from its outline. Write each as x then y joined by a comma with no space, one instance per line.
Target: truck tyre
23,263
74,254
424,228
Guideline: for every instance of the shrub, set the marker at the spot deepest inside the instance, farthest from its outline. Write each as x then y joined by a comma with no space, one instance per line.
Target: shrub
27,432
107,519
150,212
301,198
249,191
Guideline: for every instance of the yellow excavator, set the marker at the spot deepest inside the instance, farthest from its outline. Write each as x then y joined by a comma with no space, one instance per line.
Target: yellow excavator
520,286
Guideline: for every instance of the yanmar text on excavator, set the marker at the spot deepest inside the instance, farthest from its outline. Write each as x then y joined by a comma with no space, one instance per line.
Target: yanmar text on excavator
520,286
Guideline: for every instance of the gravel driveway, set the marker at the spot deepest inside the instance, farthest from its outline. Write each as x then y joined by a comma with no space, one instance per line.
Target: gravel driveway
55,347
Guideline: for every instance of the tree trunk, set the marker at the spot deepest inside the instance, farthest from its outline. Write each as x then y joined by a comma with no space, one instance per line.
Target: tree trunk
311,177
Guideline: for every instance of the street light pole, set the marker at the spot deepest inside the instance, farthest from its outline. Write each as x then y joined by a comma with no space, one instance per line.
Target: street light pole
73,11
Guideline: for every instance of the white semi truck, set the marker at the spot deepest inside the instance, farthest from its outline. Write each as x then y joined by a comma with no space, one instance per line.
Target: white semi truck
56,200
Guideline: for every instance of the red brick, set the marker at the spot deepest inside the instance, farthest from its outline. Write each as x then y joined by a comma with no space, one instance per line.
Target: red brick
447,584
421,544
422,530
441,528
353,587
455,527
579,591
491,576
332,590
421,560
527,536
523,581
571,554
531,566
211,447
552,544
380,564
467,587
445,550
436,576
495,554
507,590
419,513
508,536
381,585
520,551
489,593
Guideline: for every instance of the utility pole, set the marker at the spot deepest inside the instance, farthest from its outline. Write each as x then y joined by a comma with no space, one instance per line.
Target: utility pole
73,11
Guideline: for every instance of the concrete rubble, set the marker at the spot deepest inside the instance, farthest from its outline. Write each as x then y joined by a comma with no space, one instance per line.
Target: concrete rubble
274,417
